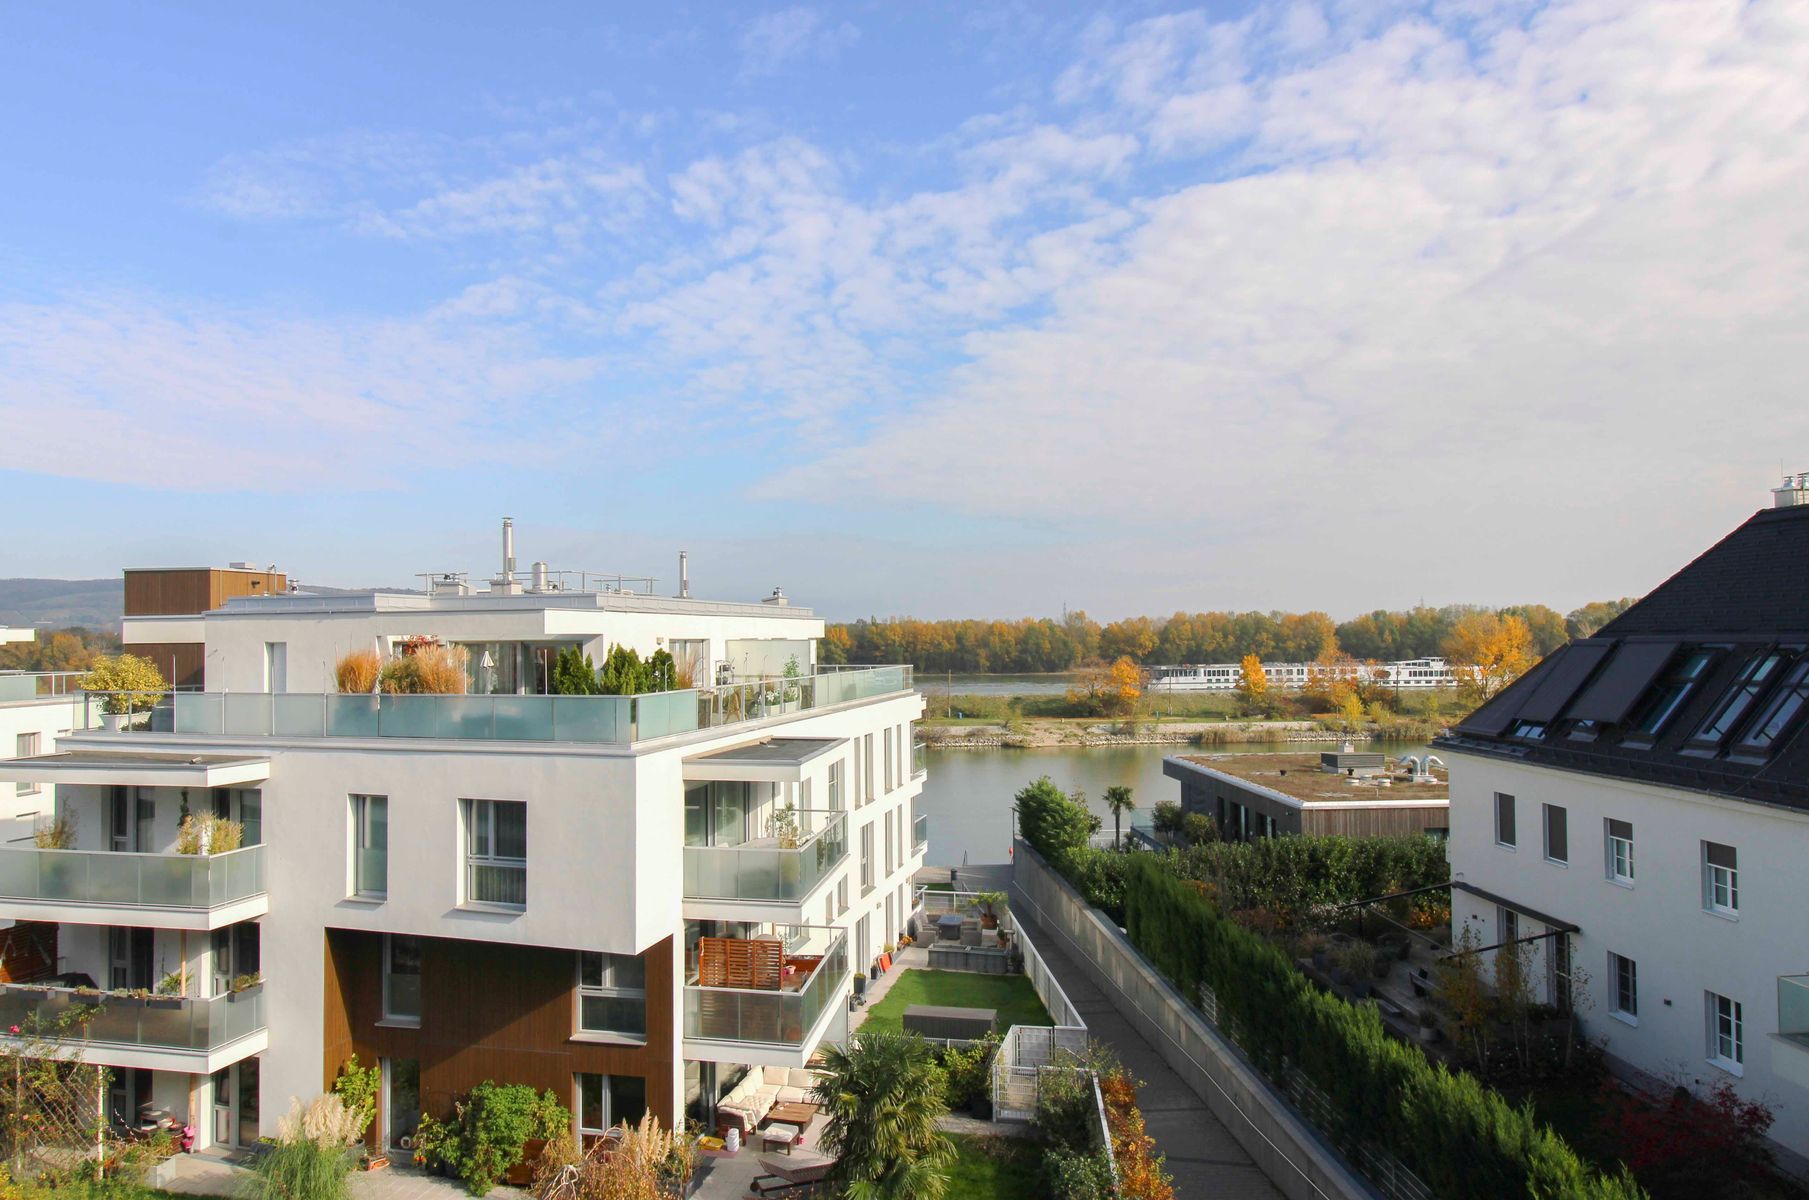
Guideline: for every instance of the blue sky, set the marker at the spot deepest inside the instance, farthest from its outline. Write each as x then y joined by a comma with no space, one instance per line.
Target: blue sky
942,310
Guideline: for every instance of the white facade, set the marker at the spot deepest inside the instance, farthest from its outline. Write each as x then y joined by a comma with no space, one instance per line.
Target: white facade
1693,955
30,723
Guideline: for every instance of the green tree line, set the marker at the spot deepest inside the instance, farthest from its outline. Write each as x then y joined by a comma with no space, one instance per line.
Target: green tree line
1040,644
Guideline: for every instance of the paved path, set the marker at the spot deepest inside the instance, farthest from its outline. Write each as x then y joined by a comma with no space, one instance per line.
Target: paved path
1201,1154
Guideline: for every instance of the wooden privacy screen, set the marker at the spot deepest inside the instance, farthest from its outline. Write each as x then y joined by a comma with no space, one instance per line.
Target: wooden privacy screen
733,962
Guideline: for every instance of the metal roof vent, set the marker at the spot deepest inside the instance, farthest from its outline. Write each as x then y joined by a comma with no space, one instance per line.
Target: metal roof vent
1794,491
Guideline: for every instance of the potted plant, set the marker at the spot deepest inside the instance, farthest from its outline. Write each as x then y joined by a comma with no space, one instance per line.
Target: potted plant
130,683
860,983
783,826
246,985
990,904
789,689
130,997
1428,1024
1004,938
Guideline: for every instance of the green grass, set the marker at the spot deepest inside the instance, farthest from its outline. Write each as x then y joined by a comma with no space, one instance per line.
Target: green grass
994,1168
1012,995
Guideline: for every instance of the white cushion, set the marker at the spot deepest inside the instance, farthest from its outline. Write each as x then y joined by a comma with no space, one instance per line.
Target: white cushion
792,1095
801,1077
775,1075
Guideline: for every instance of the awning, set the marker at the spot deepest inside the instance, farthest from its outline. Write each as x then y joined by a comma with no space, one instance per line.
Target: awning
770,760
138,769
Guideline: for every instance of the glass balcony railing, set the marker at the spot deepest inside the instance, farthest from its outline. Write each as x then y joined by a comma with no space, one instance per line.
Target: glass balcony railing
768,871
920,833
920,765
192,881
1793,1008
769,1017
595,719
157,1022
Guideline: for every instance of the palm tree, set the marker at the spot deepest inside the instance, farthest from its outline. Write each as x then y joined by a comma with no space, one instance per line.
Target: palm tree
1118,799
883,1096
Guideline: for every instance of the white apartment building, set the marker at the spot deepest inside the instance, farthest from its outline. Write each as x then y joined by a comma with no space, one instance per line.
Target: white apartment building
1636,808
1411,673
627,899
36,708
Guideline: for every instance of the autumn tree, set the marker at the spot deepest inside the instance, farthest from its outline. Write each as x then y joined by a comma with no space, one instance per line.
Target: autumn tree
1252,681
1585,621
1489,652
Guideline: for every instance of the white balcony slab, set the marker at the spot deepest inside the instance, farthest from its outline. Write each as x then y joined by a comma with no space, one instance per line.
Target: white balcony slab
137,768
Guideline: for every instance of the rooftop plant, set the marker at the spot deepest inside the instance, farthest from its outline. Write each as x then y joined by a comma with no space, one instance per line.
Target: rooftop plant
133,683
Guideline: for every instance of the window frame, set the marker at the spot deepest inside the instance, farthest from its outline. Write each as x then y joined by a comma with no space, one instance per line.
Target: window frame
1675,685
1623,988
1718,878
1612,844
1545,824
1734,1020
480,817
606,1099
1512,841
360,807
28,744
607,990
1793,689
1750,684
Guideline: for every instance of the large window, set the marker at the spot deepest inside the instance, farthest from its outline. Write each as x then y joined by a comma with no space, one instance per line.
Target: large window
401,979
370,846
1720,879
1754,677
496,852
1623,986
1620,850
1557,833
1780,712
1504,819
605,1101
26,746
1674,687
612,994
1726,1033
835,786
866,858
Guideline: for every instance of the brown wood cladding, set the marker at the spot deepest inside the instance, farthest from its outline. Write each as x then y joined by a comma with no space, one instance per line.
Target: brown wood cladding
185,591
489,1011
182,663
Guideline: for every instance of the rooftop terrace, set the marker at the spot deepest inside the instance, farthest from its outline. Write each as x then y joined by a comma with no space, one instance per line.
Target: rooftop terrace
1299,777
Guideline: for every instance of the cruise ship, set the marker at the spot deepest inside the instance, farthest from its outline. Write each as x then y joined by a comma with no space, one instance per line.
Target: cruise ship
1287,676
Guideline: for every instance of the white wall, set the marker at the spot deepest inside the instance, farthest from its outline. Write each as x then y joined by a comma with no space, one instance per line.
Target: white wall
49,718
1681,949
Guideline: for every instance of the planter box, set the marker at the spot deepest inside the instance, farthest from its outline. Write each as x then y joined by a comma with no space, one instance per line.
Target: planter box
244,993
164,1002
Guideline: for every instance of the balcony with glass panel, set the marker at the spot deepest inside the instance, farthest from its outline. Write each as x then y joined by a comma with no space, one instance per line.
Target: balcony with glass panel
105,887
172,1033
779,990
1793,1009
784,868
920,834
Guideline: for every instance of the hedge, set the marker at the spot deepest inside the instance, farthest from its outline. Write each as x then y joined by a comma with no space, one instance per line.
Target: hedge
1461,1138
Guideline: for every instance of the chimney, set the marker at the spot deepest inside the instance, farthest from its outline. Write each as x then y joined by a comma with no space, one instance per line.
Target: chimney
684,576
777,598
505,584
1795,491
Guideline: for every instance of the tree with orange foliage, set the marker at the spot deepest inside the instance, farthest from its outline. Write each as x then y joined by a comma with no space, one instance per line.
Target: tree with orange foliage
1140,1173
1488,652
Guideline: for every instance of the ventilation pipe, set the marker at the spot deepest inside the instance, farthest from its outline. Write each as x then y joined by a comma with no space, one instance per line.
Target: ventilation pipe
508,548
540,577
684,575
1795,491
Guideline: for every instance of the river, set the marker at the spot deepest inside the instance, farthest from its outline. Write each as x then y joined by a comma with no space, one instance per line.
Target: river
968,793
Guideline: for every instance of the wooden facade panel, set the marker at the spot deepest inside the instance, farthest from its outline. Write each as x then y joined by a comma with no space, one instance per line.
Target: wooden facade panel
182,663
1214,798
1375,822
490,1011
186,591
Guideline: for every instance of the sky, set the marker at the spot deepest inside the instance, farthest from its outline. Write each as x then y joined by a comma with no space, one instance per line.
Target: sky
933,309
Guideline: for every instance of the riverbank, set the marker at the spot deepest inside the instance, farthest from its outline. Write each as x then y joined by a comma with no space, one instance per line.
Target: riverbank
1057,732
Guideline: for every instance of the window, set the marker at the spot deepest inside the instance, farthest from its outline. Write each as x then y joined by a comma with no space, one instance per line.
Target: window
889,759
612,994
26,746
1504,819
1753,678
401,979
496,852
841,895
866,858
1620,850
1674,687
1532,731
1557,833
370,846
1720,879
867,775
835,786
1782,710
605,1101
1726,1033
1507,925
1623,986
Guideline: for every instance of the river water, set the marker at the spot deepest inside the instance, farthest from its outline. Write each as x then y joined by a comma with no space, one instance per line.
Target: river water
968,793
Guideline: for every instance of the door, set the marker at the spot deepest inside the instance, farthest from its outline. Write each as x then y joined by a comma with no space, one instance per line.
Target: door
144,816
222,962
120,826
247,1096
401,1100
222,1089
276,666
119,959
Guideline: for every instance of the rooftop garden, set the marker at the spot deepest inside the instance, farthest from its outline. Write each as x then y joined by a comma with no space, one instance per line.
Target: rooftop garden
1011,995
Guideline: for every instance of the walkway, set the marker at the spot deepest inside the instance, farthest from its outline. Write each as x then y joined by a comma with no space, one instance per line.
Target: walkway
1201,1154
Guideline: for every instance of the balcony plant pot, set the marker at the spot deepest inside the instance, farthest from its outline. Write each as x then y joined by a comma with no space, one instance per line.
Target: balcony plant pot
128,1001
114,722
244,993
860,984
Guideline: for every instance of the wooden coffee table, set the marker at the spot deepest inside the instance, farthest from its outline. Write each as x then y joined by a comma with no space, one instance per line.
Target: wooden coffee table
795,1112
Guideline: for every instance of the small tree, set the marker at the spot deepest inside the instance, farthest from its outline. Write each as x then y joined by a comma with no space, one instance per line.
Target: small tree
623,673
662,672
574,674
1252,682
1197,828
358,1088
883,1096
1464,992
133,684
1166,816
1118,799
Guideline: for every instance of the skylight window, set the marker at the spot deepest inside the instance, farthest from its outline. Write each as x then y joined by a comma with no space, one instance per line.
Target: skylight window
1780,712
1674,687
1753,679
1532,731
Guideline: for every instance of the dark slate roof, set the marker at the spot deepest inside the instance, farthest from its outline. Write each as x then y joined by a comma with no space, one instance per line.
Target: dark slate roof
1747,593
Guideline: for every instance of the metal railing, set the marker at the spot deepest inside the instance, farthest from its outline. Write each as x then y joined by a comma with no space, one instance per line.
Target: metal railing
187,881
614,720
154,1022
769,872
765,1016
29,685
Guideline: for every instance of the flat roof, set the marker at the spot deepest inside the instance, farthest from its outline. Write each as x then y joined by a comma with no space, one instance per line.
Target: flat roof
1299,778
774,760
136,767
379,600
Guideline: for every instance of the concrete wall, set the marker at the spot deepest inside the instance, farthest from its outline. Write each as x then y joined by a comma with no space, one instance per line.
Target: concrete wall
1283,1146
21,805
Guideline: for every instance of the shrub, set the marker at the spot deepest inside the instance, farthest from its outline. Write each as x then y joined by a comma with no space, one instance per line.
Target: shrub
493,1125
1073,1175
1196,827
125,673
312,1155
58,833
441,669
358,1088
1140,1173
967,1072
357,671
208,834
574,674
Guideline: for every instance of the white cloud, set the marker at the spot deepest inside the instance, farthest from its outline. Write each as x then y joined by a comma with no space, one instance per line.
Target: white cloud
773,41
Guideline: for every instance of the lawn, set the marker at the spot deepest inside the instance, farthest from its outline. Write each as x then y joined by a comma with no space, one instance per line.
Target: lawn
1012,995
994,1168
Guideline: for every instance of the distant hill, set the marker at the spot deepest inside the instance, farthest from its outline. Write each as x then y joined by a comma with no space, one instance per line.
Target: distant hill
59,603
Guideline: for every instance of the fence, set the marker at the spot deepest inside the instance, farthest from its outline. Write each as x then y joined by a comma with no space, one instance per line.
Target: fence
1271,1122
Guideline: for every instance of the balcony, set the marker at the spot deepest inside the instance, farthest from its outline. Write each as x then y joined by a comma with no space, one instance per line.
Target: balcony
1793,1009
764,869
171,891
920,834
156,1033
608,720
778,999
920,763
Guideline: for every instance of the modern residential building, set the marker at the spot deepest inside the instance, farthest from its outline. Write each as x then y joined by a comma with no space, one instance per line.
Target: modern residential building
1411,673
36,708
163,607
1345,791
1635,810
627,899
